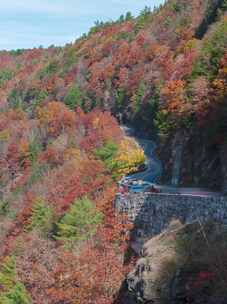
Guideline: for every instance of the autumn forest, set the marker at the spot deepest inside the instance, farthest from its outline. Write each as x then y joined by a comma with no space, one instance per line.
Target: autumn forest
62,150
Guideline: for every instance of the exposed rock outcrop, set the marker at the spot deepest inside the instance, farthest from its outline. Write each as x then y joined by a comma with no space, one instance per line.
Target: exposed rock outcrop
177,154
201,164
185,264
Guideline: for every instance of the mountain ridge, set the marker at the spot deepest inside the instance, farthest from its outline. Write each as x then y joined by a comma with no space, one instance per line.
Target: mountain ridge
62,150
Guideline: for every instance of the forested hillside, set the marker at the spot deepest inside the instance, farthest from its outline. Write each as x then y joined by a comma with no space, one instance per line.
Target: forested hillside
126,66
61,241
62,150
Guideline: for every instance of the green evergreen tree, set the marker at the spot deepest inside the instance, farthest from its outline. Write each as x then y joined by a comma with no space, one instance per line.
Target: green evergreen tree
80,223
74,98
107,154
42,218
139,97
128,16
12,291
5,75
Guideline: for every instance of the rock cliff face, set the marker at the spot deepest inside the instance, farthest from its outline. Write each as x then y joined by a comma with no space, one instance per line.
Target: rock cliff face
182,265
177,154
202,161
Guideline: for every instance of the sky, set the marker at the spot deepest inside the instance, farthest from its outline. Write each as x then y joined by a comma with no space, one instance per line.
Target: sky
32,23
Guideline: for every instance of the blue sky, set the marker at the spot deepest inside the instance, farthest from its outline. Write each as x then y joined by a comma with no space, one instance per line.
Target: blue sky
31,23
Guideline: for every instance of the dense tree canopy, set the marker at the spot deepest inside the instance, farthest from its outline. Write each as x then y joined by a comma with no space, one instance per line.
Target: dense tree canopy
62,150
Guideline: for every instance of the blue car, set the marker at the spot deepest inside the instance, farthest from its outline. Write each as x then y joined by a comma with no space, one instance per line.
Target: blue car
138,187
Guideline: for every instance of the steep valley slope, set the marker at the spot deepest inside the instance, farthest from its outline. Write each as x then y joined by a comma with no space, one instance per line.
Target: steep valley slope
164,71
62,150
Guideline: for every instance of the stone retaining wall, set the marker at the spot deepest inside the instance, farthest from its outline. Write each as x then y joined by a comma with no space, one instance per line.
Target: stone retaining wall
152,213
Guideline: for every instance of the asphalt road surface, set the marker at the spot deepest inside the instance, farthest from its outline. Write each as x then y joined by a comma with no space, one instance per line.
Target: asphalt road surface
153,171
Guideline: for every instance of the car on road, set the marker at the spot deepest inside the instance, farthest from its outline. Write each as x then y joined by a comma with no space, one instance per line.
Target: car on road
137,186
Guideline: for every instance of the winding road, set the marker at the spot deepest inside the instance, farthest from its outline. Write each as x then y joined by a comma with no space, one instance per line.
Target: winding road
154,169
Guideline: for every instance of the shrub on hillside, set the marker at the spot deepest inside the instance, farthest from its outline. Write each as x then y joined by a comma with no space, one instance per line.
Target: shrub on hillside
5,75
49,70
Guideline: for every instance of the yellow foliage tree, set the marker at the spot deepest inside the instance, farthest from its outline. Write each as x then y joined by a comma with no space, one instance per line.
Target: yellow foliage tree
129,158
